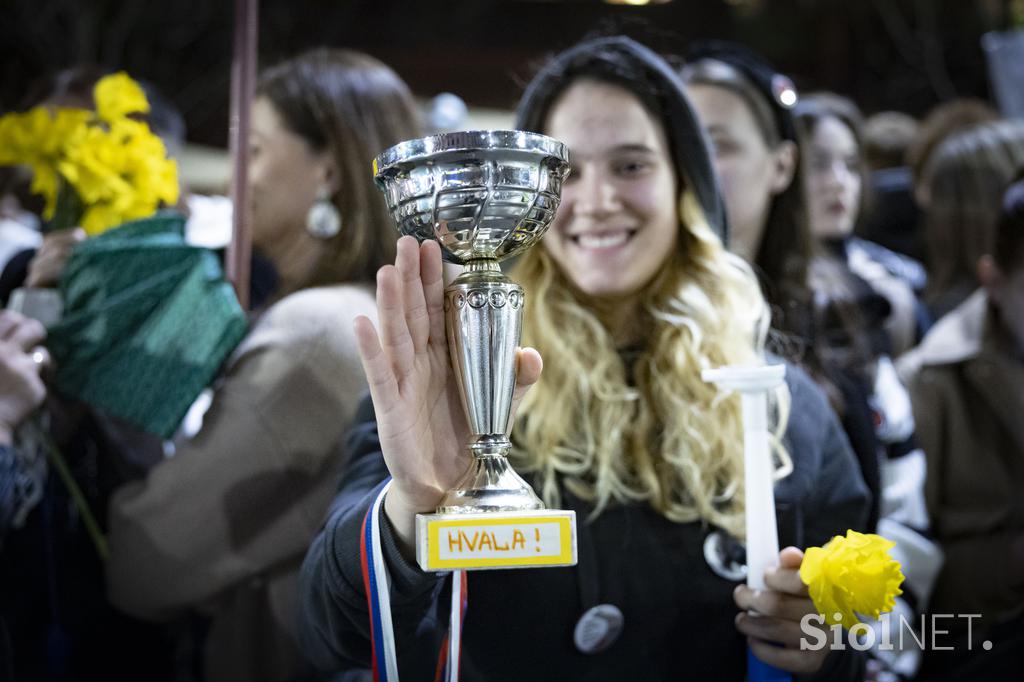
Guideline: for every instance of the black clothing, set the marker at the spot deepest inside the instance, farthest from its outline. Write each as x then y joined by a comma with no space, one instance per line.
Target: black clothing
519,624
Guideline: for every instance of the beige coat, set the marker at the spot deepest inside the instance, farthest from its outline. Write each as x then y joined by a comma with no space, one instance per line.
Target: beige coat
223,525
968,396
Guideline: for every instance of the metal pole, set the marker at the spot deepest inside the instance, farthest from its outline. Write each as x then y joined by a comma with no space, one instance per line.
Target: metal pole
243,87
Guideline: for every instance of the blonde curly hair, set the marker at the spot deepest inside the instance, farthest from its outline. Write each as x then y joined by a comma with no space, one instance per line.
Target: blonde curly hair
653,431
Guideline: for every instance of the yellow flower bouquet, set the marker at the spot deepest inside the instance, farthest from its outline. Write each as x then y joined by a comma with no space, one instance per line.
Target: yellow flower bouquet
146,318
97,169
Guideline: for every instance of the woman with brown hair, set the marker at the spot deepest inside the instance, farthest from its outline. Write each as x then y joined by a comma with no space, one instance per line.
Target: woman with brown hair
746,108
222,525
963,178
836,183
316,120
966,378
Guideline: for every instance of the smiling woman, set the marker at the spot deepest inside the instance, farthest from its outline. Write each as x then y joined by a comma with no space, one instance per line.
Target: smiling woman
627,239
629,296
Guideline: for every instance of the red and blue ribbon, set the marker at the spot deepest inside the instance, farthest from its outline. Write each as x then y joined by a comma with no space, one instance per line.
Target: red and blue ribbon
378,597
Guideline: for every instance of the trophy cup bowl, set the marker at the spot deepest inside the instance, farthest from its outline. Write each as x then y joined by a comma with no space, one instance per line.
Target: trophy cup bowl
483,196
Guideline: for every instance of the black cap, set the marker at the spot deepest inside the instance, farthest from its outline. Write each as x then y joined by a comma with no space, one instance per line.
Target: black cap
776,87
641,71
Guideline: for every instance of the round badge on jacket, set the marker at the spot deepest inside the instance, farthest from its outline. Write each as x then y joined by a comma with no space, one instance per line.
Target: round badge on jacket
726,557
598,628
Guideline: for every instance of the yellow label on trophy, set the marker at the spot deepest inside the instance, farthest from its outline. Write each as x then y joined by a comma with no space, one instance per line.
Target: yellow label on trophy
496,540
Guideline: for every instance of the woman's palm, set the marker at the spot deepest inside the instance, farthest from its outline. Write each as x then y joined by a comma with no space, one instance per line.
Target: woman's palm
425,435
420,418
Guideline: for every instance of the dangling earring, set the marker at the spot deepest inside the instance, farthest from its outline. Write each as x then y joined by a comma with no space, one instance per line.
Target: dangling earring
323,220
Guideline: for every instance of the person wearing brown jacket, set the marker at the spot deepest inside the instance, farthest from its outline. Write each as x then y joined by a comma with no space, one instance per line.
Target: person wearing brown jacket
967,385
220,528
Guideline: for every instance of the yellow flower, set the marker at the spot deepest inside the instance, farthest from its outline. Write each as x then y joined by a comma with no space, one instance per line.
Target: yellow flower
46,183
99,218
117,95
121,173
852,575
37,138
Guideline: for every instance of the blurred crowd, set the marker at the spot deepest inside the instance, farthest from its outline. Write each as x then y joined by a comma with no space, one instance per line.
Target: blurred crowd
713,214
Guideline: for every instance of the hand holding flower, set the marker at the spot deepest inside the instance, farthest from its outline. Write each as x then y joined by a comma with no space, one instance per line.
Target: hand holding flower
771,618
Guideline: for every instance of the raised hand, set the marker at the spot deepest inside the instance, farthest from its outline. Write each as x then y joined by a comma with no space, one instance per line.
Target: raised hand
420,419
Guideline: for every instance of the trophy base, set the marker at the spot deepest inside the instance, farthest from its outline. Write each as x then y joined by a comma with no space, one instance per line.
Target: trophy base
493,540
490,485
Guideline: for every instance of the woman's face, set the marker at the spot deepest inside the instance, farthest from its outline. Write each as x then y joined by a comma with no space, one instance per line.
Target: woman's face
750,172
618,220
833,179
284,174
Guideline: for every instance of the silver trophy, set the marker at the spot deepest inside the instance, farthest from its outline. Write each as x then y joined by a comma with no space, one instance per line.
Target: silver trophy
484,196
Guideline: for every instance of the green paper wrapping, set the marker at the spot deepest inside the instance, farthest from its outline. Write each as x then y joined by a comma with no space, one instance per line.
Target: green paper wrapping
148,323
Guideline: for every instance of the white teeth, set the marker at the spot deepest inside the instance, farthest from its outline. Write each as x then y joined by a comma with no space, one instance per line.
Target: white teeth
602,241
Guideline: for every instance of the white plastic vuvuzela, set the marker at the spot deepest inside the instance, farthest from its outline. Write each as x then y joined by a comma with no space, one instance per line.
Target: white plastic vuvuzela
753,384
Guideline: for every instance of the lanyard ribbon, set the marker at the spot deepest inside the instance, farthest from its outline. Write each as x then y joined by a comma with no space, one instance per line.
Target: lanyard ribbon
378,597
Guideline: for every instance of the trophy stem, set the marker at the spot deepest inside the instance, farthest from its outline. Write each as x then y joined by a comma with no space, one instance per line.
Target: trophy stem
483,316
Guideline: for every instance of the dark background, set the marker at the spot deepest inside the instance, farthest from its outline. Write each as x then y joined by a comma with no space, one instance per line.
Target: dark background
887,54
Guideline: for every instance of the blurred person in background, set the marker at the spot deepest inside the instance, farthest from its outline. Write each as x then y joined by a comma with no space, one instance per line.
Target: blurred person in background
964,178
887,136
753,138
945,119
63,626
836,190
220,527
892,218
39,261
967,383
21,392
22,469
